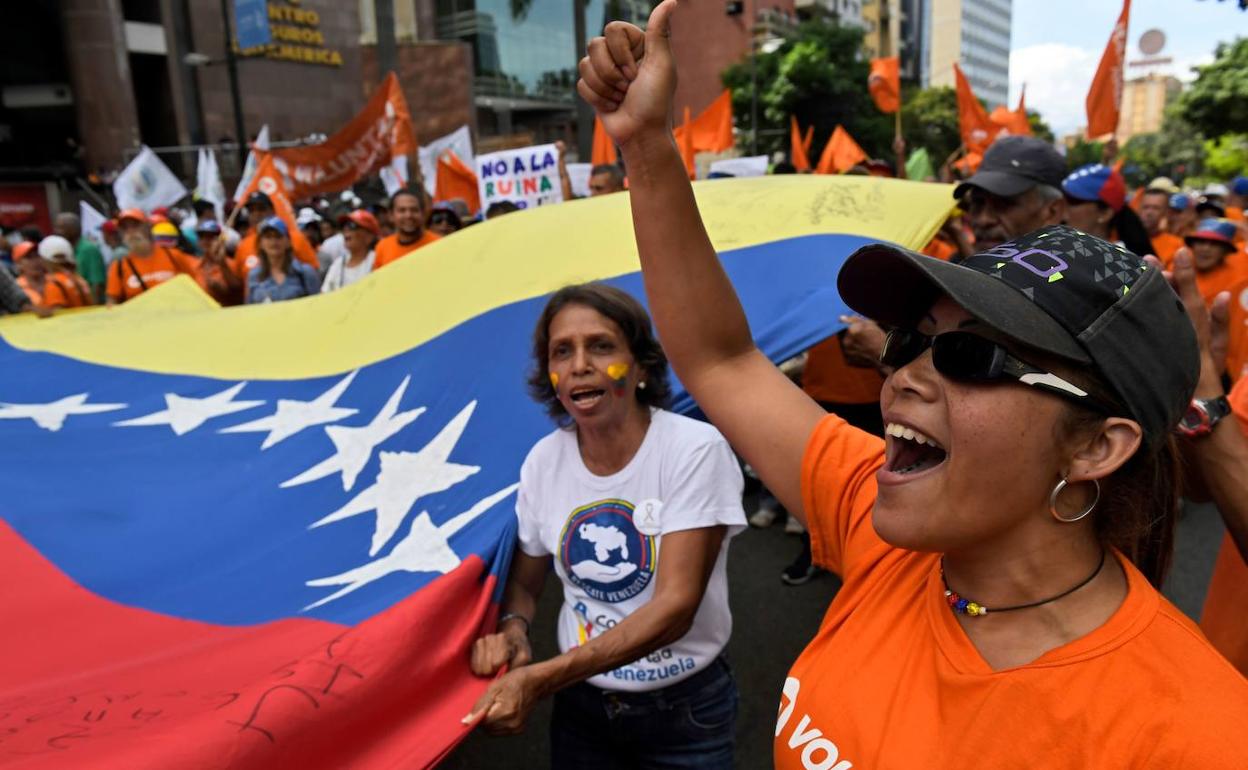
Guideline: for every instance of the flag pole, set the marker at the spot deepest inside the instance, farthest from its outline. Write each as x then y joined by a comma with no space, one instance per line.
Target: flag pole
897,138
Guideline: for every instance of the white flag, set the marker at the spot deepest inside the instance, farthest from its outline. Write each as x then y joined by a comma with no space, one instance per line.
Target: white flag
394,176
208,185
92,222
249,168
578,175
147,184
458,141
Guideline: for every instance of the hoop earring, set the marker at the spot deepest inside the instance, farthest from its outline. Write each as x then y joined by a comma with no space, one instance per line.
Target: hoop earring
1057,490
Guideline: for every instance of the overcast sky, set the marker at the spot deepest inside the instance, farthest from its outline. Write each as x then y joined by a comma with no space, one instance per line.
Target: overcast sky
1057,45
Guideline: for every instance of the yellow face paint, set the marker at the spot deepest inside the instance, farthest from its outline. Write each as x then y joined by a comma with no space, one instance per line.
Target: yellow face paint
554,380
617,371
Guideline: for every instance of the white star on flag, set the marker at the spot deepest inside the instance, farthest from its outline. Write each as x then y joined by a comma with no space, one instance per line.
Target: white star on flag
293,416
405,477
184,414
426,548
353,446
51,416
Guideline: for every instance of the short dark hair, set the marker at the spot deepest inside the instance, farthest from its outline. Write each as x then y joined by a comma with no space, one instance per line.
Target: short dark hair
500,208
627,313
617,173
399,193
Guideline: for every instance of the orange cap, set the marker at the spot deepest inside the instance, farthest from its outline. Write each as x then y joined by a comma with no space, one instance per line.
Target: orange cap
135,215
22,249
363,219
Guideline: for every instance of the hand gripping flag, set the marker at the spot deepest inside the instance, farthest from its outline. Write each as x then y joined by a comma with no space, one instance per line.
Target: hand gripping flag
266,536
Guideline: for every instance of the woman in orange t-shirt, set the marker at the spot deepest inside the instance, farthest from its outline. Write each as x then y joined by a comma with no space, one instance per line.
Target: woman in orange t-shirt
1000,549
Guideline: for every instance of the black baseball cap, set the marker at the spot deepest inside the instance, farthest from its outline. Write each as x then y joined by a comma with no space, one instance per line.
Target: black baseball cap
1015,164
258,198
1058,290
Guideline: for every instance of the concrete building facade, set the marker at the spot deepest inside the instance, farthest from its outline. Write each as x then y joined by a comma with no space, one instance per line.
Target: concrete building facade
1144,101
976,35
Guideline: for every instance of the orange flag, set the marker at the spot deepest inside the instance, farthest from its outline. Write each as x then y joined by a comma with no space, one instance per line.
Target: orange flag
1022,100
1012,121
976,127
603,149
810,137
1105,95
884,82
840,154
269,181
456,180
684,142
712,129
797,146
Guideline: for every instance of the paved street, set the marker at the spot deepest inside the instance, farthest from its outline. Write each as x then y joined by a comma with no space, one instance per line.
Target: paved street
773,623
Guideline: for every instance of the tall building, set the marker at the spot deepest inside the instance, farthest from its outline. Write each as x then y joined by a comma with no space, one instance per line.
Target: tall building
1144,101
976,35
882,20
848,13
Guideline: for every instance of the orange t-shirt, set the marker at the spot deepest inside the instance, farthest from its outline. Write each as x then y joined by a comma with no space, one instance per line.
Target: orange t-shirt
940,249
246,254
1224,277
163,264
1224,618
77,291
1237,342
1164,246
830,378
53,294
892,681
389,249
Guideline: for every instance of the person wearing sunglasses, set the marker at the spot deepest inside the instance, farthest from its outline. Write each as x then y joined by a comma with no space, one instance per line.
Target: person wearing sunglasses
1001,548
443,220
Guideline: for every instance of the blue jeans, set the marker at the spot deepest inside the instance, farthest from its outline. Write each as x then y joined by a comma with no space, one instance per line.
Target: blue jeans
687,725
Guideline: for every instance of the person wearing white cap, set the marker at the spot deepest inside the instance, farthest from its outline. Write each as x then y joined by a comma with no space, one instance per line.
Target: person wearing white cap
64,270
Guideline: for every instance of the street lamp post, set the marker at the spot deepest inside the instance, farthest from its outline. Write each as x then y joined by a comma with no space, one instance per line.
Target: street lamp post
231,65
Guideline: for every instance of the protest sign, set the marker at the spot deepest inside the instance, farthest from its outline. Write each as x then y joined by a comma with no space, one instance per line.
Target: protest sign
527,177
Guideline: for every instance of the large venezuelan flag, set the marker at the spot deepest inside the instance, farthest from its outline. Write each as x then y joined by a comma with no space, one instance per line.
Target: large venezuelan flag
266,536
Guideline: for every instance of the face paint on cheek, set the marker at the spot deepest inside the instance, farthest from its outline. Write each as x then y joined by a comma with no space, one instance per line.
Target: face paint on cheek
554,381
619,376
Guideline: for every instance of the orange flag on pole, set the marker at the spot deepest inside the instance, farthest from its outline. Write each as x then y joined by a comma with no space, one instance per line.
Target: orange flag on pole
840,154
806,142
1012,121
976,127
268,180
1105,95
684,142
797,146
456,180
604,149
712,130
884,83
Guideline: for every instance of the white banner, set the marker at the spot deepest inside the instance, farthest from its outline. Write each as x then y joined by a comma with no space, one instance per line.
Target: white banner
147,183
527,177
578,175
208,184
754,165
458,141
394,176
249,168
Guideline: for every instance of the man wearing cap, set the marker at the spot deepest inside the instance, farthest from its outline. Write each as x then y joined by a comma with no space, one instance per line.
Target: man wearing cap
246,255
43,293
408,213
216,274
360,230
63,271
87,256
146,265
1154,205
1182,217
1219,266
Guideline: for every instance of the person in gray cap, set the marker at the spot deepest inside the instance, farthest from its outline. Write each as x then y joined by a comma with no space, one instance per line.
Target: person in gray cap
1017,189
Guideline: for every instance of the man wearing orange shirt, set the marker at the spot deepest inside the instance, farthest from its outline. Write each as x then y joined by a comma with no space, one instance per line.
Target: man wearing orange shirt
44,292
1219,267
408,214
146,265
1154,205
246,255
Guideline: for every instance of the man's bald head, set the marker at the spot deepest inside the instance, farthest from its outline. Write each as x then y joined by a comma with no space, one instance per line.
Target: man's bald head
68,226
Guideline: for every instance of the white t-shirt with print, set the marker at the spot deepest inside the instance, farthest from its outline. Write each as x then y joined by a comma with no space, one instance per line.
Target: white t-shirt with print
605,534
341,274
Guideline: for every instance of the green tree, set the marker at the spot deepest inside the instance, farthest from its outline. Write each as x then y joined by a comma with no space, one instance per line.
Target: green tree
818,76
1039,128
1083,152
929,119
1176,151
1226,156
1216,103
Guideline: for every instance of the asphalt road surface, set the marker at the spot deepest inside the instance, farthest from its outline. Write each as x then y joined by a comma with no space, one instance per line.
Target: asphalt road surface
772,623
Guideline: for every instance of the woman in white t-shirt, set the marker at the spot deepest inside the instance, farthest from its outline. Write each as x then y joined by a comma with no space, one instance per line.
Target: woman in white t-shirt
634,507
360,232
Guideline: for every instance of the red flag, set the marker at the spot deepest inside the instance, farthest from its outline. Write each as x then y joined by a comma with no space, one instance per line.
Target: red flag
456,180
884,82
603,149
840,154
976,127
1105,94
797,146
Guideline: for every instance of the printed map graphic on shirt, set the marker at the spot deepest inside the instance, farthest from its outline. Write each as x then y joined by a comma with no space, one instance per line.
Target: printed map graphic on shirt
604,554
267,536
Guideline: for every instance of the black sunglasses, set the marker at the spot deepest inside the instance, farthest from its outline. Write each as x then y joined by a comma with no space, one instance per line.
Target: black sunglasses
968,357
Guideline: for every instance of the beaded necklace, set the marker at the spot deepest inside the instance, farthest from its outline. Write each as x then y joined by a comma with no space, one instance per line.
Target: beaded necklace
963,606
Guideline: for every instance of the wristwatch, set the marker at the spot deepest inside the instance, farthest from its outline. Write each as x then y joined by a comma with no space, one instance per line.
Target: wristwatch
1203,415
